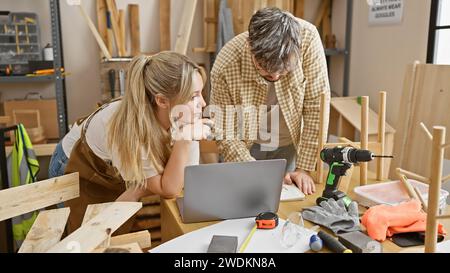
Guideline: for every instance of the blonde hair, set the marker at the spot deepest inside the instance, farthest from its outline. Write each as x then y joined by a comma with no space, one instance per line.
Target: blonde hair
134,129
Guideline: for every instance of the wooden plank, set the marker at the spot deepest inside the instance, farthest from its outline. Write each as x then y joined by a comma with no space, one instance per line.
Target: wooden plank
184,33
5,119
248,9
211,10
299,8
39,149
150,200
351,111
94,31
23,199
364,137
135,29
236,10
164,24
142,238
90,235
149,211
436,167
123,31
156,235
115,26
322,138
94,210
46,231
381,135
326,22
149,223
321,13
128,248
404,117
430,106
101,23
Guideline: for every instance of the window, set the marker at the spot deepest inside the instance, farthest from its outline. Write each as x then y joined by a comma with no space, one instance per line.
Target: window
439,36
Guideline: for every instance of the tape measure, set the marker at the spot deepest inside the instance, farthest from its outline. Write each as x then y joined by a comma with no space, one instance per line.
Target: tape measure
267,220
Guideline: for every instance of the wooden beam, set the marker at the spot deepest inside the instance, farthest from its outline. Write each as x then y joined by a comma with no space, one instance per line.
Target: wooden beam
408,187
5,119
115,26
143,238
446,178
46,231
381,135
94,31
322,140
299,8
94,210
364,137
164,24
90,235
128,248
437,162
321,13
413,176
440,217
184,33
123,33
135,29
23,199
427,132
101,23
422,200
39,149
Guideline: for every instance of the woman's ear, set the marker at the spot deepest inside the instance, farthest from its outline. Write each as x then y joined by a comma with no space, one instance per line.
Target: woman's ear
162,101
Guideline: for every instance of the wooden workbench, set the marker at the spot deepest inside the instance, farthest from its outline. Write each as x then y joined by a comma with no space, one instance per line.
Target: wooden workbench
172,226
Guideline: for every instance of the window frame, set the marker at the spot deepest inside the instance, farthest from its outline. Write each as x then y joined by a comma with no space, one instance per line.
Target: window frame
434,28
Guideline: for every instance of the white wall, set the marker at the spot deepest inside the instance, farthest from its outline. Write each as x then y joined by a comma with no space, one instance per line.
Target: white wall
81,54
380,54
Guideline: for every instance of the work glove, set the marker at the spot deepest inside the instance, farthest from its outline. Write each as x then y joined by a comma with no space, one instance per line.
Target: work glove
334,216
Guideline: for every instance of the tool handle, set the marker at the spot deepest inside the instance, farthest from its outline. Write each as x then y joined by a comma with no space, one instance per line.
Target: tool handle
112,81
122,81
333,244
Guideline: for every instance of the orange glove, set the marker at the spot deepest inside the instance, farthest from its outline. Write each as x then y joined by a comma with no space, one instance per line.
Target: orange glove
383,220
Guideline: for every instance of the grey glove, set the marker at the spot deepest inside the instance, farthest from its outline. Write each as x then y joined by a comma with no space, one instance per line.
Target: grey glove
334,216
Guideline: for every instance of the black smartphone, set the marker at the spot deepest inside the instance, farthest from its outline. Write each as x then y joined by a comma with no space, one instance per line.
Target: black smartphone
223,244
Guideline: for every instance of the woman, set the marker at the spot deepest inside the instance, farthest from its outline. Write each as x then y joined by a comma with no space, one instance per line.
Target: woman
126,148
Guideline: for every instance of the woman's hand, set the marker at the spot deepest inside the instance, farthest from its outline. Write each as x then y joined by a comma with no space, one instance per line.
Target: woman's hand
201,129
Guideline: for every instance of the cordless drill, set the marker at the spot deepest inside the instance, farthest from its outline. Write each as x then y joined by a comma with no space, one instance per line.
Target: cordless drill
340,159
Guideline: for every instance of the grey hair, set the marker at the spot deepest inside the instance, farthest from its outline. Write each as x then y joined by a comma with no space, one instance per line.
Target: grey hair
274,38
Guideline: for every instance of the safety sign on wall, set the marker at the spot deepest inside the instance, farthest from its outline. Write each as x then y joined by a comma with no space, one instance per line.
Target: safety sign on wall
385,12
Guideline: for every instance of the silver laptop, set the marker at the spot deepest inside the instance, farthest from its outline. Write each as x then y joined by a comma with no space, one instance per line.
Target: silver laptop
231,190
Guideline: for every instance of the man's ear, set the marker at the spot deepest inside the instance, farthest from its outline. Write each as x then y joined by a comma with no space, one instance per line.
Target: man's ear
162,101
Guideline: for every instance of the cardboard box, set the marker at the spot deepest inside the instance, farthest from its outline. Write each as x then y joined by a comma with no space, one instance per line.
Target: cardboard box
48,112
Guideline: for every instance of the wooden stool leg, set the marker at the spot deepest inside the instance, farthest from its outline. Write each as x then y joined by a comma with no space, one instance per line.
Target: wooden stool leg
437,160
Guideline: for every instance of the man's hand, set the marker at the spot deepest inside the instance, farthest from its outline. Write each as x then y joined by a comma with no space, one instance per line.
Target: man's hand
302,179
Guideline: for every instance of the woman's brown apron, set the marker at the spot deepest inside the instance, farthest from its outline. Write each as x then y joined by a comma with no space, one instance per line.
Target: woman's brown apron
99,181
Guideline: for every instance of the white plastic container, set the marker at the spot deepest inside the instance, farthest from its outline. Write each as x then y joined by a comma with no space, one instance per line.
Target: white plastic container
393,193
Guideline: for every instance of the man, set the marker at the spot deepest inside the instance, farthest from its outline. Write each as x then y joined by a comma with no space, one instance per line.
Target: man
279,63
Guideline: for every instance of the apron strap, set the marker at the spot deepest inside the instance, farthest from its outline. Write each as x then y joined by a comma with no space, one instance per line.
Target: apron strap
89,118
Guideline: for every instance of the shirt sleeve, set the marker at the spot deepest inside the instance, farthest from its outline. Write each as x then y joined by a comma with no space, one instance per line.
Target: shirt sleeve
316,76
232,150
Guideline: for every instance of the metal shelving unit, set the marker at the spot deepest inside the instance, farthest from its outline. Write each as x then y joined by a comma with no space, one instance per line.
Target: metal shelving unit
58,63
60,90
346,50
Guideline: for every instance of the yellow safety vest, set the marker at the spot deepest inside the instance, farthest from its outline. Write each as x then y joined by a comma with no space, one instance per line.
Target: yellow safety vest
23,167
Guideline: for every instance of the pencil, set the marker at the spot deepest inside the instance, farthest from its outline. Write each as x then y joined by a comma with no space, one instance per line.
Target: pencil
247,240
